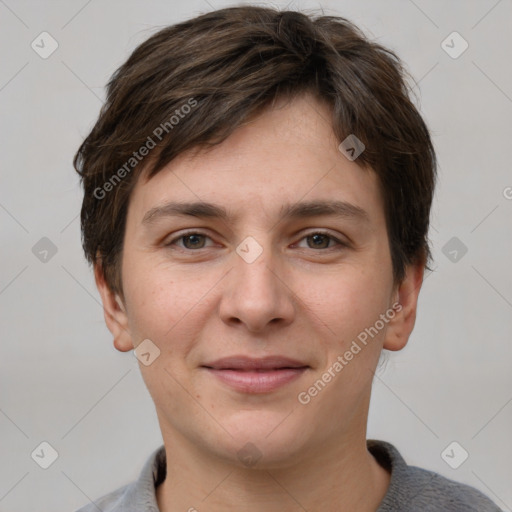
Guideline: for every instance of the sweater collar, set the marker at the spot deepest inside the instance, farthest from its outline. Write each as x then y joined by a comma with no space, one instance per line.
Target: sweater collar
142,494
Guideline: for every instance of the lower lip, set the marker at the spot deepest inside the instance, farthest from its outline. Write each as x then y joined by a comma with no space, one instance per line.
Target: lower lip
257,382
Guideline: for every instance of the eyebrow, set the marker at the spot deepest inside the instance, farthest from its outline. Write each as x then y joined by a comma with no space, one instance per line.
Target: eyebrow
340,209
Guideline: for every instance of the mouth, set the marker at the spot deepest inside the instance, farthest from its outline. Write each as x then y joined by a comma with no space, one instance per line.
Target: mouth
245,363
259,370
249,375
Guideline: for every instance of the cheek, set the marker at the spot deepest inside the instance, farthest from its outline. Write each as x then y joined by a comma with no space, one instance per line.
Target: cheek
344,303
152,299
165,306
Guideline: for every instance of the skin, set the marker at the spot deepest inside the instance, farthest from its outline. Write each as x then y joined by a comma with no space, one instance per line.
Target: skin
299,299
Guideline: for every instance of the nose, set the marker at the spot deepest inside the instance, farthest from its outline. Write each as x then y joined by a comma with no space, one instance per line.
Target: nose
257,294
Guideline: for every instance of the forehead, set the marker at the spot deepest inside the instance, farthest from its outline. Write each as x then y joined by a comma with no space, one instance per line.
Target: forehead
286,155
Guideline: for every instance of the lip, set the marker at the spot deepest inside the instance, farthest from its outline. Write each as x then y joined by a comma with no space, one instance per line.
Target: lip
256,375
263,381
241,362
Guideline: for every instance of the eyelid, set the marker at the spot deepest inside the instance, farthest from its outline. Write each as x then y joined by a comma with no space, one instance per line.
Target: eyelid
327,233
317,231
185,233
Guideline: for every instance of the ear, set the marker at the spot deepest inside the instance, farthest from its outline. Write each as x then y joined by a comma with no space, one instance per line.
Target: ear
114,312
406,294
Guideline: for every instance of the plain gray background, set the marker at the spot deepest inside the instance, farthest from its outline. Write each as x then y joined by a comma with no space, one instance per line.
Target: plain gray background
62,381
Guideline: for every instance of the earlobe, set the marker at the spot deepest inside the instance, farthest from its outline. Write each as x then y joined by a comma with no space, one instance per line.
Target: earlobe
400,327
114,312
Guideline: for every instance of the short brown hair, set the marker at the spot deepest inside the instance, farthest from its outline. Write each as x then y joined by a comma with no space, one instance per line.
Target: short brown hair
229,65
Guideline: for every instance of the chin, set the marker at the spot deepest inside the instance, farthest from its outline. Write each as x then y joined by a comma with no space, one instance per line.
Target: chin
263,441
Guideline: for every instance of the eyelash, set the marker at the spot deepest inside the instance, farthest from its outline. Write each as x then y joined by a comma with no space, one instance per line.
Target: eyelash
189,233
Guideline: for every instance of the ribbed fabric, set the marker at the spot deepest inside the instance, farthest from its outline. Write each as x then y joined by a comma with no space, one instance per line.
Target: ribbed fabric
414,489
411,489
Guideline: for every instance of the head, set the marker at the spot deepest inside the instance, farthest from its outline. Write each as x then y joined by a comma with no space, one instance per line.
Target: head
245,108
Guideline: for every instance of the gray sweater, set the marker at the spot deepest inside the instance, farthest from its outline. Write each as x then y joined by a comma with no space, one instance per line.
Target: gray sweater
411,489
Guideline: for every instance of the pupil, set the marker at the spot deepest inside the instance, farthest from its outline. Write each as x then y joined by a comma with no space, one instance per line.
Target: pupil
196,237
317,237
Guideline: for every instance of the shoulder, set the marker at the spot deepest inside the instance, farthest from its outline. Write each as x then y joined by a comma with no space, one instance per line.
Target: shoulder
137,496
109,502
438,491
412,488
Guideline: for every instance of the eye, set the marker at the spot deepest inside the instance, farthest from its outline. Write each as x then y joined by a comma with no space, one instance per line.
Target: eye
321,240
196,240
192,240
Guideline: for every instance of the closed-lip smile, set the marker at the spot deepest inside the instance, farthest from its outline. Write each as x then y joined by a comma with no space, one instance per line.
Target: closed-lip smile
256,375
242,362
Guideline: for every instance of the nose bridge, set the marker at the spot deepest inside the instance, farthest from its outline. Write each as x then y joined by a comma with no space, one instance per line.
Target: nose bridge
256,294
253,264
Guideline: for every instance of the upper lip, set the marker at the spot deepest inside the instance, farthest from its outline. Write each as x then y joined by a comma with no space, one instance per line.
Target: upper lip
241,362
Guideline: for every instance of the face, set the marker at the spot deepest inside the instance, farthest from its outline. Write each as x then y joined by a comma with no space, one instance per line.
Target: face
260,283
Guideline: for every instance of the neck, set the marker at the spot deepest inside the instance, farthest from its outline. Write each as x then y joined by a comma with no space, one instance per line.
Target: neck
342,476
